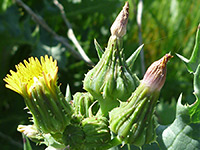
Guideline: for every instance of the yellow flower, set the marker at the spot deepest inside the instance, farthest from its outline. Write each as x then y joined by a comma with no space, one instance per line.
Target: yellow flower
36,81
30,73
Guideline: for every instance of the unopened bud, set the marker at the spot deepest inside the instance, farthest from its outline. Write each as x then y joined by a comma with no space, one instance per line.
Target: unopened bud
82,103
118,28
156,74
73,136
134,121
92,133
97,132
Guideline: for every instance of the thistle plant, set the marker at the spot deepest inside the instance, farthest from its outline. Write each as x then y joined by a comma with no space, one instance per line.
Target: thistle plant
113,111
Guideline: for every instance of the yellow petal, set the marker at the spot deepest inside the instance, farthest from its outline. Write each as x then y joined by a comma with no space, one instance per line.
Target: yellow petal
29,70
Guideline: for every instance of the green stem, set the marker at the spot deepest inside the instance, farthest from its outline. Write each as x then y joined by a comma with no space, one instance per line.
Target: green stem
129,147
114,142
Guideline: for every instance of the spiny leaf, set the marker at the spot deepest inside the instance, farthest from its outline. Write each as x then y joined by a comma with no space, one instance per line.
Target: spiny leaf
194,60
98,49
183,133
131,60
194,109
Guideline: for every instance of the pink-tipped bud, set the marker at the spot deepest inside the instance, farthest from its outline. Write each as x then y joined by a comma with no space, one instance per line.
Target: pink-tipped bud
118,28
156,74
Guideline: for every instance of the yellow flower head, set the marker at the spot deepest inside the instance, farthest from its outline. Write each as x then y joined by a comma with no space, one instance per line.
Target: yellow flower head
30,73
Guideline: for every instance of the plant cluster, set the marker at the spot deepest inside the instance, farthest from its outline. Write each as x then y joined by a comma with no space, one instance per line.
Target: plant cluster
116,109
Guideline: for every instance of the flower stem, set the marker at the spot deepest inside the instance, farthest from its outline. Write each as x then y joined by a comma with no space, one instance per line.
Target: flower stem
114,142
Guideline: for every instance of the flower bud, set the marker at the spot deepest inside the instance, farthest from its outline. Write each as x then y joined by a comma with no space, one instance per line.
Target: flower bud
156,74
92,133
31,132
73,136
118,28
82,103
133,121
97,133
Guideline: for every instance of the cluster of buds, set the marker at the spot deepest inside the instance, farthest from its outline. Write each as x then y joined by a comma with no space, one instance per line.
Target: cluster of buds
111,79
111,103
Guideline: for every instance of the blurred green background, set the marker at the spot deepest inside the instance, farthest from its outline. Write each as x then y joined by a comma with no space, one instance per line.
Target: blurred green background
167,26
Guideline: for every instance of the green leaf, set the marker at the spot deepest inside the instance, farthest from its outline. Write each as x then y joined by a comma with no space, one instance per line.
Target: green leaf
131,60
194,109
183,133
194,60
197,82
26,143
98,49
